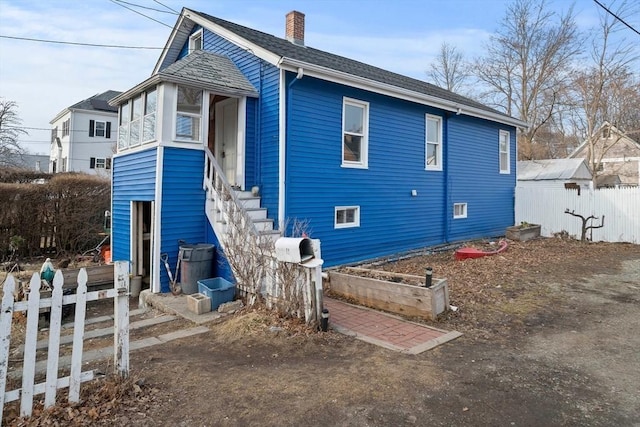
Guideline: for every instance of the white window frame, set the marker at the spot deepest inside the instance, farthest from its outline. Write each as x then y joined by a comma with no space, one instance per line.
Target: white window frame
438,143
507,151
356,217
187,114
364,147
462,208
95,128
192,40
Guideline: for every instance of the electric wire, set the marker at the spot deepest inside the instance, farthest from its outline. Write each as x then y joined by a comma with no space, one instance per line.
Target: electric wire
617,17
164,5
140,13
147,7
79,43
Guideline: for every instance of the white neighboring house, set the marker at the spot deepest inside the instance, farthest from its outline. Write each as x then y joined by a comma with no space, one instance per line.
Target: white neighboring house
555,173
83,136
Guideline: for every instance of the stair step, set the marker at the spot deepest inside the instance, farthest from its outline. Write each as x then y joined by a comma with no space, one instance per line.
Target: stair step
257,213
263,224
250,202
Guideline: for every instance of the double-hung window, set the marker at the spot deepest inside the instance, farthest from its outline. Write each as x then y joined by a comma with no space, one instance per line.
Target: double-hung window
355,124
65,127
188,114
504,152
433,149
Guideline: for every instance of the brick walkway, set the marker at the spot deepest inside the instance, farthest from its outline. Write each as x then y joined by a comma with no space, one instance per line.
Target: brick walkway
384,329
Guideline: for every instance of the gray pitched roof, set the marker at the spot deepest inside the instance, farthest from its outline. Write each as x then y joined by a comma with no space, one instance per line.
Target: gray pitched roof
209,70
310,55
97,102
551,169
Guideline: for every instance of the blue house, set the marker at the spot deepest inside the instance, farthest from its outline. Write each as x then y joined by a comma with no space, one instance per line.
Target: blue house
373,162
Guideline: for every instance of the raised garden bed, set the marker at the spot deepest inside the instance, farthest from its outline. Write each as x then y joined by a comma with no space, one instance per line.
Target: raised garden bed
394,292
523,232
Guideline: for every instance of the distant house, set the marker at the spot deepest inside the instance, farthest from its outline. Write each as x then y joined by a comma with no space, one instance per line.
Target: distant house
236,120
616,154
83,136
555,173
32,162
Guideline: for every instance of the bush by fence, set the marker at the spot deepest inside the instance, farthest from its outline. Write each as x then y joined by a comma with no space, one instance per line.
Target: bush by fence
59,214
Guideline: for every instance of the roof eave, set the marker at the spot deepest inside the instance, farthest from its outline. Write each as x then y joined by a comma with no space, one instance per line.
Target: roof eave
325,73
140,87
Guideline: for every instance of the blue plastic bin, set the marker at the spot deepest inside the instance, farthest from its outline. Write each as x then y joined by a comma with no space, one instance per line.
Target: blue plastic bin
218,289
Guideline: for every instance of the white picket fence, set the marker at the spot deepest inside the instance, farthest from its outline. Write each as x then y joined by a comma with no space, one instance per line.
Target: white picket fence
32,306
546,206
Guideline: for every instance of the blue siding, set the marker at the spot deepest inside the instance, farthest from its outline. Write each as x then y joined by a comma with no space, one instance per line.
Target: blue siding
265,123
222,267
134,178
183,200
391,219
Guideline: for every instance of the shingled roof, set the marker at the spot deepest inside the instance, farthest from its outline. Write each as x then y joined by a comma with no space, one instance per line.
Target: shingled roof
97,102
284,48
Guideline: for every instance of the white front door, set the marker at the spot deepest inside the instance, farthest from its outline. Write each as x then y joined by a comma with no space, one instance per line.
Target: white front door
227,138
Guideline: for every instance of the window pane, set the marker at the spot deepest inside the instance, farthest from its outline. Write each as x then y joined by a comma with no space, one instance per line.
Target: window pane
124,114
149,127
432,154
137,108
339,217
122,137
152,101
504,161
100,126
352,148
353,119
433,135
188,127
351,215
134,129
189,100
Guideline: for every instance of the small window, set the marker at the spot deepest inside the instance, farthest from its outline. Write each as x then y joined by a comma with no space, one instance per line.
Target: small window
460,210
504,152
65,127
188,113
195,41
54,134
100,128
347,216
434,143
355,123
99,163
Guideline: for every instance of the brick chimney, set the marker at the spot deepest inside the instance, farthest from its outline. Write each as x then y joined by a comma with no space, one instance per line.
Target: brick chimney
295,27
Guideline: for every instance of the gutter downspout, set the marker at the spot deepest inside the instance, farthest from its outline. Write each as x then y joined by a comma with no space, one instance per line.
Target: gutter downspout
283,155
445,171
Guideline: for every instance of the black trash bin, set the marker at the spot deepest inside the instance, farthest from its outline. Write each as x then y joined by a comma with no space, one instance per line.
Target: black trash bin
196,263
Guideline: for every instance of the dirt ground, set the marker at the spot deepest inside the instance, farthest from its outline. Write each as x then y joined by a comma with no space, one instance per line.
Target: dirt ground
550,338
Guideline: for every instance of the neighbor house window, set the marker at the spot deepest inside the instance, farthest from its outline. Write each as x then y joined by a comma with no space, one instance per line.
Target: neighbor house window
54,134
433,143
460,210
65,127
347,216
99,163
195,41
99,128
188,113
355,123
504,152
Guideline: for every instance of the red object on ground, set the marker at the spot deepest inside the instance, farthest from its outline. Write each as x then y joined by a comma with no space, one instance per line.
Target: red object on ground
465,253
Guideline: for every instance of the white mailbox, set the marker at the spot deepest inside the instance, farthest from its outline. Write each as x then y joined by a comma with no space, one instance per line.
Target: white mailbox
294,249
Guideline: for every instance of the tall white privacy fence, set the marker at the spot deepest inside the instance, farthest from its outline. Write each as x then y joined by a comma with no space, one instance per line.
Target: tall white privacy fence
54,303
620,208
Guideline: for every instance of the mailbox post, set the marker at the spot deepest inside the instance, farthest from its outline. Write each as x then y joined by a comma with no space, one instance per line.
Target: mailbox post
300,250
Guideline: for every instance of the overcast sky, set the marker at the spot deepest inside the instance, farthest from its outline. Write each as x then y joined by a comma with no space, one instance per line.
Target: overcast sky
399,35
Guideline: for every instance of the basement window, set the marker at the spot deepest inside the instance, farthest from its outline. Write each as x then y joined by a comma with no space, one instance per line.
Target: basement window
459,210
347,216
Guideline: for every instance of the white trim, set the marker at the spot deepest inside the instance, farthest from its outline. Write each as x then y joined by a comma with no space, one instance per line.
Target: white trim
437,166
241,124
355,223
282,143
363,163
464,210
506,171
157,232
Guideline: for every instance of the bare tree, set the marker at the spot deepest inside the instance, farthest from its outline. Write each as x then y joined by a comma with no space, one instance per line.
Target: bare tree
607,92
10,150
526,64
449,69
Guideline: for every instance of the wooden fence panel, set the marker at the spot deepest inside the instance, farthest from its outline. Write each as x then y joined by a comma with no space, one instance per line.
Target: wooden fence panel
546,206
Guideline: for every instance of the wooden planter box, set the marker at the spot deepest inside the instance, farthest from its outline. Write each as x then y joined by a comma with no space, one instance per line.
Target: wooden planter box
400,298
523,233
